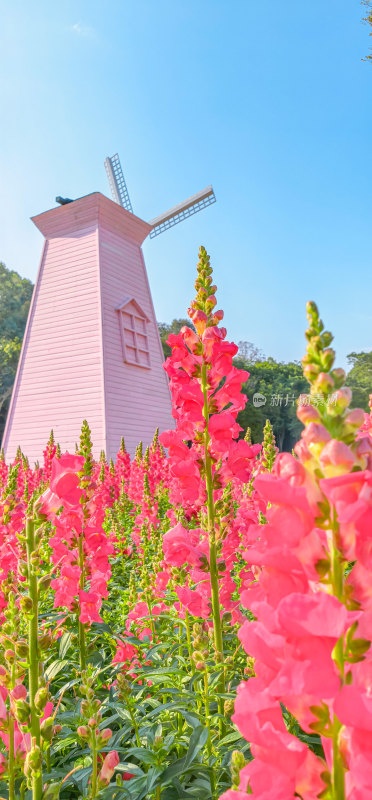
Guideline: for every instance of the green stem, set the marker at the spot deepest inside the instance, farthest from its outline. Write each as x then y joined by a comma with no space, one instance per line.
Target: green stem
11,759
94,766
338,770
11,772
33,644
188,635
216,607
338,575
152,622
47,760
82,644
209,741
134,723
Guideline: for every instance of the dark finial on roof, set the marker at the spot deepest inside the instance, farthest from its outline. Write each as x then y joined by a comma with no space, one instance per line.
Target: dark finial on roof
63,200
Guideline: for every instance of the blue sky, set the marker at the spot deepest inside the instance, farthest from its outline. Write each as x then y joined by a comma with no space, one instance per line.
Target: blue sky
270,102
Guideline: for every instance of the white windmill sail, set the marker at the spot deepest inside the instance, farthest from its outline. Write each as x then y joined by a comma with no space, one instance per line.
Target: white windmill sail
117,182
164,221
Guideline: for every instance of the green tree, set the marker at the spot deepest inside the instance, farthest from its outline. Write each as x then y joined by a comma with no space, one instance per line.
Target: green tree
368,21
359,378
15,296
280,385
9,355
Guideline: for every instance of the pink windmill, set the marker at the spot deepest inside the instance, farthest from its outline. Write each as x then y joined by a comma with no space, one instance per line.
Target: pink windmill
91,348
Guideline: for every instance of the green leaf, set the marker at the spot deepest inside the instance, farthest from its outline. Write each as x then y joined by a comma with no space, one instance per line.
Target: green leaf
64,643
127,766
230,738
198,739
147,756
55,668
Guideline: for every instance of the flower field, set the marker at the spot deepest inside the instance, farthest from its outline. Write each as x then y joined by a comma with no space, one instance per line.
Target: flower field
195,622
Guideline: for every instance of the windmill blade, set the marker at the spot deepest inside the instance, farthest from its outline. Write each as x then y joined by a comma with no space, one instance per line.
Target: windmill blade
186,209
117,183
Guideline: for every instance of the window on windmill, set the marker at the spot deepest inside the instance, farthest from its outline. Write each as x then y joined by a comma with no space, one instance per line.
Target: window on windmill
135,339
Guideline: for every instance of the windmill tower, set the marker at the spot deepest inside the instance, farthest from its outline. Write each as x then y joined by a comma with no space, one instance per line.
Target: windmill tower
91,348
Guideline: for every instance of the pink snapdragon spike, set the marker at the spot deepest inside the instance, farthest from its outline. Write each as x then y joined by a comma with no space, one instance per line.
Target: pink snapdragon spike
310,643
203,451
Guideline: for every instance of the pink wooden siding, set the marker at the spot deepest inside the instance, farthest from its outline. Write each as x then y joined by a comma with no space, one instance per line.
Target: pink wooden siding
71,366
137,399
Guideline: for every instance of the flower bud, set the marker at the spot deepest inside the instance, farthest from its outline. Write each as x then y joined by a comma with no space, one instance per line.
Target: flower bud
336,458
41,698
363,452
33,760
307,413
324,383
340,401
339,376
315,436
197,656
4,675
44,583
84,707
26,605
22,711
106,734
45,641
23,568
327,358
10,656
312,309
19,692
47,729
83,732
354,419
311,371
237,764
51,791
108,768
22,648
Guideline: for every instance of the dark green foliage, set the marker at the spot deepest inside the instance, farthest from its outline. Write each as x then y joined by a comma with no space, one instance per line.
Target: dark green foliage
15,296
281,384
9,355
360,378
368,21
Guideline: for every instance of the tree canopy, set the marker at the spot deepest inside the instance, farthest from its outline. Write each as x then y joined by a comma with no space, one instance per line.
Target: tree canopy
368,20
359,378
15,297
272,387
